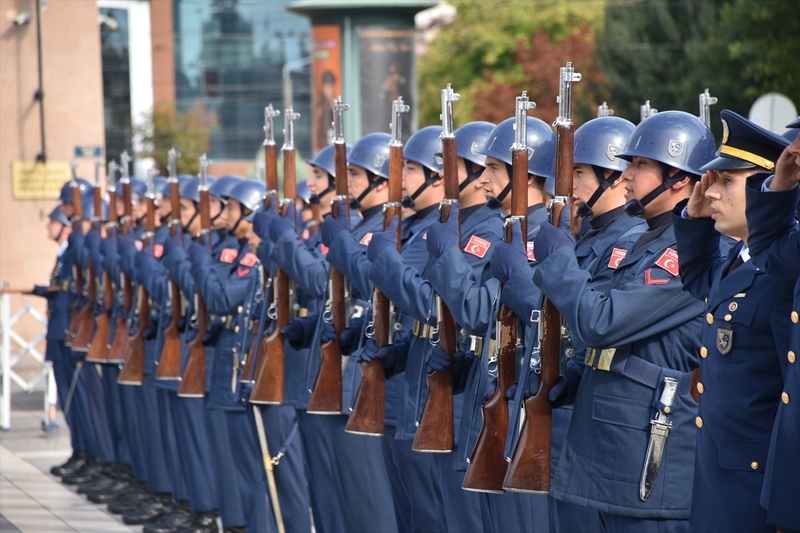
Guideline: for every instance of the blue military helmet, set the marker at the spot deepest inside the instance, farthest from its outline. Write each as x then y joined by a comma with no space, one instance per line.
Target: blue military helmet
470,138
138,189
746,145
58,215
88,207
182,179
425,148
160,187
66,190
222,186
303,192
541,143
249,193
191,188
371,153
674,139
794,124
597,143
326,160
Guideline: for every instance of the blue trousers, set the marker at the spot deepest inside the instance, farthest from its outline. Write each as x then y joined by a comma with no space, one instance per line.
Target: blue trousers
63,372
462,508
516,511
177,484
249,470
155,444
230,506
135,420
189,418
90,382
116,417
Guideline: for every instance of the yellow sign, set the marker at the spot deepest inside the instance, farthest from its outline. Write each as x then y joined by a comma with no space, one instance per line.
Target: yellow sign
39,181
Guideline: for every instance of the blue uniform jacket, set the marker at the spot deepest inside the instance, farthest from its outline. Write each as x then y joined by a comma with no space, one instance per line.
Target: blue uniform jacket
58,303
645,313
741,377
774,242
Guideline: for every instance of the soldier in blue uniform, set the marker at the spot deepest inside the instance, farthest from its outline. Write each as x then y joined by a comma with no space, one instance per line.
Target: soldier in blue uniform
774,241
746,315
642,338
598,191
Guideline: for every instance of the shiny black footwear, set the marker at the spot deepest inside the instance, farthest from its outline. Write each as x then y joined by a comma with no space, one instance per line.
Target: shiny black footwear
129,501
237,529
100,483
149,511
89,471
109,493
203,523
179,517
77,460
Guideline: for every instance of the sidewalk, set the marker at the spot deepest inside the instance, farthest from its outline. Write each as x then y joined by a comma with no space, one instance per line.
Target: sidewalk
32,500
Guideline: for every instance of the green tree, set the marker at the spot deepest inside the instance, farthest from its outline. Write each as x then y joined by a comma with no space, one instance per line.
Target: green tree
187,132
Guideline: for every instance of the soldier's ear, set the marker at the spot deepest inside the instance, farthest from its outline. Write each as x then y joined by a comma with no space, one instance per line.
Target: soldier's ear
381,185
687,181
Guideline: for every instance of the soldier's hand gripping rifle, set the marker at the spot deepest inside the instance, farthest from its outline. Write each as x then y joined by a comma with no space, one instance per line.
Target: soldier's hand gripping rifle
100,348
193,380
80,328
487,466
268,387
529,470
368,410
98,344
169,364
259,344
120,342
326,396
133,371
435,429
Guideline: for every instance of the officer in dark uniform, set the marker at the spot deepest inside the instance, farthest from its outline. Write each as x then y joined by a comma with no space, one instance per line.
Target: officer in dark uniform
774,242
642,337
746,314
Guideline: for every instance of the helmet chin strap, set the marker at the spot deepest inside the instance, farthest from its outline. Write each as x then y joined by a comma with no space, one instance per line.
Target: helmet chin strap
408,201
315,198
585,209
355,203
196,211
635,208
497,202
472,174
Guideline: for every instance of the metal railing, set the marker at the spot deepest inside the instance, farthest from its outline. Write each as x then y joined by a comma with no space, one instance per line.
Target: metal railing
9,359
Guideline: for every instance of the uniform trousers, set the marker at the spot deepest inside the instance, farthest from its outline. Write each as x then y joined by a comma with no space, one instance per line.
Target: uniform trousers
515,511
249,470
191,432
63,372
462,508
155,445
177,484
229,504
115,415
90,382
135,422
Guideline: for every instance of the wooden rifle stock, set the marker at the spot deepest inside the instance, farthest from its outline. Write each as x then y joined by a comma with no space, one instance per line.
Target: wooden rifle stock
326,396
99,348
132,372
268,386
435,432
369,407
80,325
119,345
529,470
488,466
193,380
169,364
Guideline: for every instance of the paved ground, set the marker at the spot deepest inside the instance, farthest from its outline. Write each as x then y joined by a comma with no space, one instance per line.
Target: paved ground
32,500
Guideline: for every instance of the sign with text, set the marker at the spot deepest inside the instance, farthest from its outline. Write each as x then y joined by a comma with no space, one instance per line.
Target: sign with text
88,151
39,181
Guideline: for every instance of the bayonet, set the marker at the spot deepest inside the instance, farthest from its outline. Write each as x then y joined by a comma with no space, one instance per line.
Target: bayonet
659,430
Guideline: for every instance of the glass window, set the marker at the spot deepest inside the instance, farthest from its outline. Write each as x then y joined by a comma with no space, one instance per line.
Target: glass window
116,81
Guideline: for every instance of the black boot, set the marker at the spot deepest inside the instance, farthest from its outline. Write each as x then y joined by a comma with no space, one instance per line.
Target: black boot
237,529
129,501
100,483
90,470
203,523
109,493
179,517
149,511
77,460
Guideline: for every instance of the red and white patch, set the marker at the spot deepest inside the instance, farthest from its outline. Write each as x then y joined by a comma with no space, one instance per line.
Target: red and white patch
650,280
228,255
138,244
669,261
249,259
242,271
529,248
305,235
365,240
158,250
617,255
323,249
425,237
477,246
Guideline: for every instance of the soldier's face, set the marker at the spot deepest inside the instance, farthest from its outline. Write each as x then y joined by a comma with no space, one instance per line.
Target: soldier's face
233,212
120,203
584,182
164,209
494,178
140,208
54,229
357,180
68,209
727,201
215,208
413,177
187,211
641,177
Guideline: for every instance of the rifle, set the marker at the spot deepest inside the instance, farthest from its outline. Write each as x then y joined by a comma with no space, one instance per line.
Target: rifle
80,326
120,342
646,111
259,344
132,372
169,364
326,397
604,111
98,347
487,466
435,427
529,470
706,101
193,381
268,387
368,411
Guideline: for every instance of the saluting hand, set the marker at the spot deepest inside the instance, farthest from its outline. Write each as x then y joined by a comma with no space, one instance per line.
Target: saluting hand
787,168
699,205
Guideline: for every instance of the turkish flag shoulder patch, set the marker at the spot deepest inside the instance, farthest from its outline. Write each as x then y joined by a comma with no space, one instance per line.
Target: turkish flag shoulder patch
228,255
158,250
529,249
139,245
365,239
669,261
477,246
249,259
323,249
617,255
